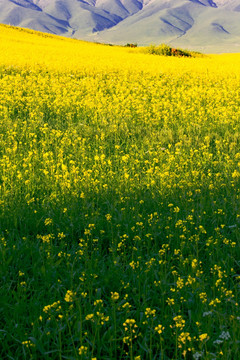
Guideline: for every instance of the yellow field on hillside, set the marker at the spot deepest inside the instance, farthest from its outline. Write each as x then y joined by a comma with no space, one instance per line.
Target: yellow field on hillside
119,202
29,48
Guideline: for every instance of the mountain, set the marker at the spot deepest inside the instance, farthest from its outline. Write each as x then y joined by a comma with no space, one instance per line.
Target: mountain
206,25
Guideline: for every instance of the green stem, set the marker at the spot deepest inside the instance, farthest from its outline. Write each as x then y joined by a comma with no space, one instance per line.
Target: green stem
150,354
60,345
115,330
131,349
95,336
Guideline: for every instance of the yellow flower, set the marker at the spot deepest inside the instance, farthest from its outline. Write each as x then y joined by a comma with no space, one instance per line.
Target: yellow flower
70,296
114,296
98,302
48,222
82,350
203,337
170,301
28,343
130,325
149,312
108,217
159,329
179,321
183,337
89,317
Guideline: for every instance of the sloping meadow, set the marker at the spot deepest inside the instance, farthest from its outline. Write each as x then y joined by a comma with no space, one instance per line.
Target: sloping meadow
119,202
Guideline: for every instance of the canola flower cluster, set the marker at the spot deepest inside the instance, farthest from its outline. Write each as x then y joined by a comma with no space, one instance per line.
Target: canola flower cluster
119,202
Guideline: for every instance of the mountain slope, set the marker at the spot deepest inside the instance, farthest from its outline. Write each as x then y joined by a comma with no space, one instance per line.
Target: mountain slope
181,23
204,24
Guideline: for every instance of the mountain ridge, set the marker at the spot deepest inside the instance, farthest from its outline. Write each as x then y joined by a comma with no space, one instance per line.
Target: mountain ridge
206,25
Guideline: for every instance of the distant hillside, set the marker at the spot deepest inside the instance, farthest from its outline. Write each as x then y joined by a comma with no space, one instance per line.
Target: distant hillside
206,25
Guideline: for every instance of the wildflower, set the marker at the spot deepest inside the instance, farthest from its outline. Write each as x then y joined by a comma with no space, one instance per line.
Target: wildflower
28,343
89,317
82,350
61,235
126,306
129,323
70,296
194,263
54,306
98,302
126,339
207,313
170,301
48,222
108,217
217,342
225,335
179,322
197,355
203,297
215,302
134,264
149,312
182,338
102,318
114,296
159,329
203,337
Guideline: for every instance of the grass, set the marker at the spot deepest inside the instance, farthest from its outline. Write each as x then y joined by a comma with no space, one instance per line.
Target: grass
119,202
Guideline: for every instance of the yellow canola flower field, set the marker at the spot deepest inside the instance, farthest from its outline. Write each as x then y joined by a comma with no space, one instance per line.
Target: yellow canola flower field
29,48
119,201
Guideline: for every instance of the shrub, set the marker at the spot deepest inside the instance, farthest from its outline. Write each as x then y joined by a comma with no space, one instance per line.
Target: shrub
166,50
131,45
